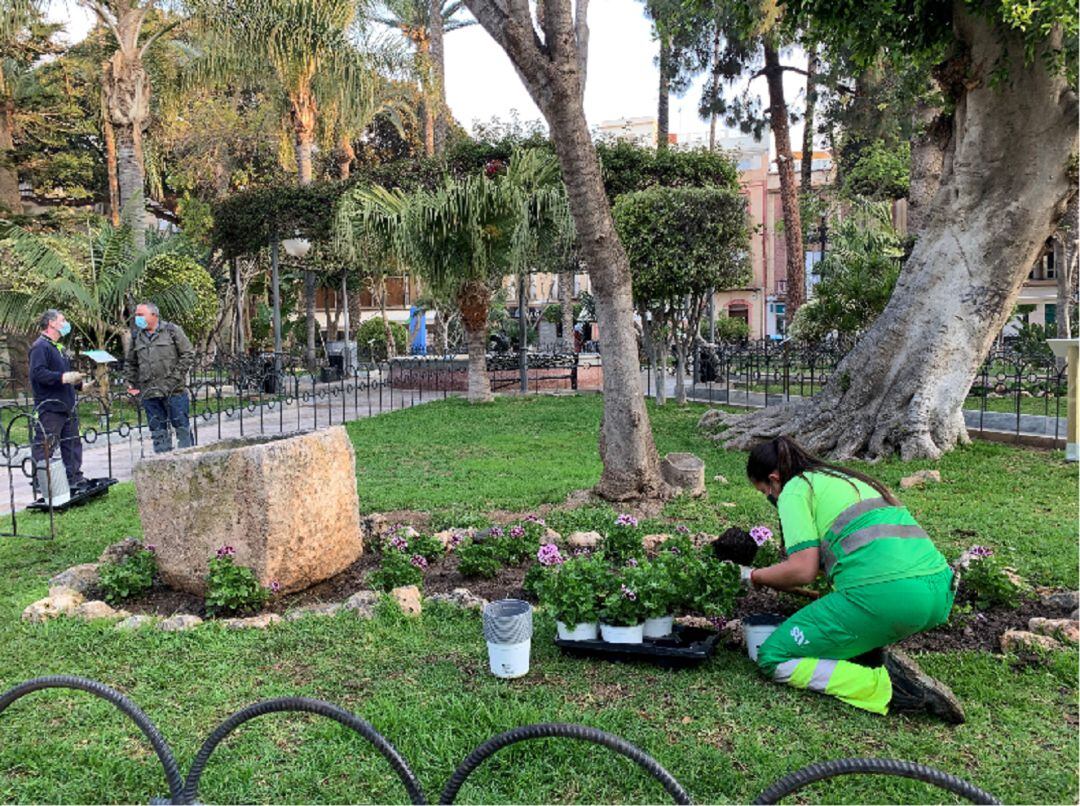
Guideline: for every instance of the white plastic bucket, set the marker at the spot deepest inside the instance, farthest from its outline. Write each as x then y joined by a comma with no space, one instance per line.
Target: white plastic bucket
577,632
508,628
658,627
509,660
52,483
756,629
622,635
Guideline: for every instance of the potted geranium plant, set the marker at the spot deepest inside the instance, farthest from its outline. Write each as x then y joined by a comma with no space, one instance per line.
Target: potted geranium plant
569,589
622,616
657,594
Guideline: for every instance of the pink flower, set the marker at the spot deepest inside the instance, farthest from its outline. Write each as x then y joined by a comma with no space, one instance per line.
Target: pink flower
626,519
549,555
682,529
455,541
399,543
761,535
981,551
496,531
275,586
534,519
517,531
419,562
629,593
632,563
150,547
226,551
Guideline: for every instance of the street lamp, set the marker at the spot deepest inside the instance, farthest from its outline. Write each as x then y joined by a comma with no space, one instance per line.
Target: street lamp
296,247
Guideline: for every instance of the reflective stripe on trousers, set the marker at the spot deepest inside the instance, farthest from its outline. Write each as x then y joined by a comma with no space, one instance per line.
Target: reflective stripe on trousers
861,537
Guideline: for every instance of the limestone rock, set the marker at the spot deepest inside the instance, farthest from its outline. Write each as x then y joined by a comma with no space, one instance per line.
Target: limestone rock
408,599
584,540
720,479
61,601
363,602
135,622
1062,600
82,578
328,609
253,622
406,532
40,611
1019,640
179,623
685,472
98,610
118,552
550,536
653,542
920,478
1062,629
460,597
286,504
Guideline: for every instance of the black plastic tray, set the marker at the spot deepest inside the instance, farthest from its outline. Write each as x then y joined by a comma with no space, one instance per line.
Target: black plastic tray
98,487
687,646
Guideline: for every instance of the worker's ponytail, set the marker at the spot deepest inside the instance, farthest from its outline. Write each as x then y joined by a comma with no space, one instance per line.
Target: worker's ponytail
788,459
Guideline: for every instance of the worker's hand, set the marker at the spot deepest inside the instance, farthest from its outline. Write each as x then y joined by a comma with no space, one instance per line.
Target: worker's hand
133,392
745,572
71,377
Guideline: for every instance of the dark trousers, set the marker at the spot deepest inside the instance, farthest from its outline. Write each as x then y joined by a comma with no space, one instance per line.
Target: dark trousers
61,427
162,412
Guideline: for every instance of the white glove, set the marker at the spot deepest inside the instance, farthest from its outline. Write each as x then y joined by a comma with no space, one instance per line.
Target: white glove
71,377
744,576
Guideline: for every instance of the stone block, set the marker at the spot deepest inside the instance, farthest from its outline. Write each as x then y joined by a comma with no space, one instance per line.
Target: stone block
1062,629
408,599
920,478
82,578
1021,640
685,472
91,611
286,504
584,540
179,623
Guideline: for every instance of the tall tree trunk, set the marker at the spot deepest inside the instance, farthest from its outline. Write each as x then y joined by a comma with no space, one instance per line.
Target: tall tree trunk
1066,256
714,84
789,194
388,332
438,70
663,102
928,154
474,301
904,385
126,99
10,199
554,74
111,167
344,156
428,94
309,312
807,166
660,347
304,112
566,302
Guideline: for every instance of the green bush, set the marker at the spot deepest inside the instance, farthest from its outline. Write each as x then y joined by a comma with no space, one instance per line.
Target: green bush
129,577
371,337
232,588
427,547
623,541
177,269
986,580
880,173
396,570
481,558
729,330
571,590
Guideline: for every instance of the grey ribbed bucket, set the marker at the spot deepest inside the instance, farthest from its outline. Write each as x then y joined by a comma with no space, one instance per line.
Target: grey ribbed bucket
508,627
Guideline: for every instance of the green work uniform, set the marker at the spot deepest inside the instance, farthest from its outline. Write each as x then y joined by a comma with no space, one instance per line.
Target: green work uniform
889,582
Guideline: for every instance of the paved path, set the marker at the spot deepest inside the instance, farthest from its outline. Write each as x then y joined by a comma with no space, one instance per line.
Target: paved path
116,457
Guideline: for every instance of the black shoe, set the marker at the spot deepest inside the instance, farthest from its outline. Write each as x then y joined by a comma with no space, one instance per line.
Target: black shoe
915,690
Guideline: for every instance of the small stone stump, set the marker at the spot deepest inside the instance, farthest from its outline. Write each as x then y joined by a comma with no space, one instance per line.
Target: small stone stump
286,504
685,472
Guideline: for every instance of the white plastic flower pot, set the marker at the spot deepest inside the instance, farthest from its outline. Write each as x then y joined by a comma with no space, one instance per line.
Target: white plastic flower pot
622,635
756,629
658,627
509,660
577,632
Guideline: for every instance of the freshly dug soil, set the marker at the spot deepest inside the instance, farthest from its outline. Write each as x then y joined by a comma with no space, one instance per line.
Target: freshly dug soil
735,545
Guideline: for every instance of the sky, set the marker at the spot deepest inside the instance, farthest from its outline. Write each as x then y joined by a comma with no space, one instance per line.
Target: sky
481,84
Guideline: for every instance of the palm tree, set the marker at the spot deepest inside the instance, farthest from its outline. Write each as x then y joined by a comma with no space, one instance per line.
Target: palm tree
423,23
23,40
94,283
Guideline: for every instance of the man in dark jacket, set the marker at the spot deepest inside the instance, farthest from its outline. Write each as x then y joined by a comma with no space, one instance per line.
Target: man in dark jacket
53,383
156,366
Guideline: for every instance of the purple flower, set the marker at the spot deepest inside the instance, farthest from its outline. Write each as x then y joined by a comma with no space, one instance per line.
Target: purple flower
628,593
275,586
225,551
626,519
151,548
549,555
517,531
981,551
632,563
455,541
496,531
583,552
761,535
674,550
399,543
534,519
682,529
718,622
419,561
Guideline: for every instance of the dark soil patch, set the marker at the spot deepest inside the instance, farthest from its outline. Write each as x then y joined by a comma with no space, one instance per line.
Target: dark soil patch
978,630
162,601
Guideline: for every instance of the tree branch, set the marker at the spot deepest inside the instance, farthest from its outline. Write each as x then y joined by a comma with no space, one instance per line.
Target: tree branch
159,34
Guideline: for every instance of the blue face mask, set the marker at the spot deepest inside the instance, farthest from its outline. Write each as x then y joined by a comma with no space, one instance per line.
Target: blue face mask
140,322
65,328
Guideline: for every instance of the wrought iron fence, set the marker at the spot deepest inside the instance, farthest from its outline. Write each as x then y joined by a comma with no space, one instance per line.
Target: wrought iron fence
1016,394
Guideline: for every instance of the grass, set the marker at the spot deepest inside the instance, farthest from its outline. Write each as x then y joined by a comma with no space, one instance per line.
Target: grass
721,730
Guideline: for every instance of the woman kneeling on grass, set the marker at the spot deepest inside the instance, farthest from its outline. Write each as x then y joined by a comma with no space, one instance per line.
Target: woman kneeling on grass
889,581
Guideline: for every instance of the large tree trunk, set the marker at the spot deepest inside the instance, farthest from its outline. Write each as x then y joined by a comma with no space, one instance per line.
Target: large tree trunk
554,74
126,98
807,166
903,386
714,83
1065,254
111,170
663,102
304,112
344,157
438,70
789,192
427,81
479,390
10,199
566,303
929,151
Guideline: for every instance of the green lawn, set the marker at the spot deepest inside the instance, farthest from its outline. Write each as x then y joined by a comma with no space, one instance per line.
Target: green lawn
721,730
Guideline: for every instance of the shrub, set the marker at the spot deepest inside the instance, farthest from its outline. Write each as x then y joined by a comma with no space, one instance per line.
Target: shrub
729,330
480,558
623,541
173,269
371,338
986,579
621,606
397,570
129,577
656,589
232,588
427,547
570,590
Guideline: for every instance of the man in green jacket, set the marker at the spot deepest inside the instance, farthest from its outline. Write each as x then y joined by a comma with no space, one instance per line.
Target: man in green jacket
156,367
